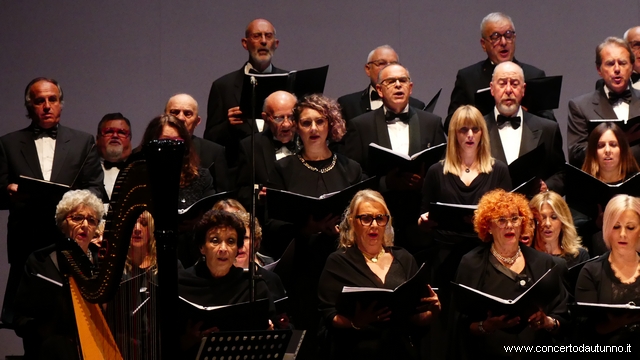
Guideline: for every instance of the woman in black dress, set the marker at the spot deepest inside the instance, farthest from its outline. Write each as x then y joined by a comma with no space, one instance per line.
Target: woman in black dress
367,258
614,277
503,267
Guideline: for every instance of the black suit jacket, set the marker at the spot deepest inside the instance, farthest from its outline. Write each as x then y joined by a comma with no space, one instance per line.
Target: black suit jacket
265,164
425,130
225,94
357,103
478,76
211,153
592,106
75,163
535,131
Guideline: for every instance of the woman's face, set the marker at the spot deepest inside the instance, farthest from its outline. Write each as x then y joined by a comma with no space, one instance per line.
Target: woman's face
169,132
242,260
140,233
625,233
80,225
370,238
468,137
608,152
529,232
312,127
506,229
549,225
220,249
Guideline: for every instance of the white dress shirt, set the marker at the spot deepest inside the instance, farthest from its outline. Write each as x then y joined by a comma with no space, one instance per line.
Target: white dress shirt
510,137
399,134
46,147
620,107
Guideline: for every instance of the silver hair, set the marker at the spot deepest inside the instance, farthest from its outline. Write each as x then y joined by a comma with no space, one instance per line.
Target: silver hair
494,17
388,47
74,198
501,65
174,95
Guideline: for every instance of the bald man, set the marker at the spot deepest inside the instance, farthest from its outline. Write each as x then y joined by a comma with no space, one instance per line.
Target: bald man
212,155
226,125
360,102
632,37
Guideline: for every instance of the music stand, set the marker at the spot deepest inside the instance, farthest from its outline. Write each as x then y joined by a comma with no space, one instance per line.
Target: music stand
258,344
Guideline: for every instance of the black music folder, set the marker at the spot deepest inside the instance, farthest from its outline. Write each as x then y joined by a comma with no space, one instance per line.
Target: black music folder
526,169
542,93
453,217
298,82
431,106
601,311
296,208
630,127
235,317
203,205
476,304
484,101
586,192
401,301
382,160
42,190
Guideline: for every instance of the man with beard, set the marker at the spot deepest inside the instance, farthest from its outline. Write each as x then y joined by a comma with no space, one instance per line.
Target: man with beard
226,125
212,157
514,132
114,147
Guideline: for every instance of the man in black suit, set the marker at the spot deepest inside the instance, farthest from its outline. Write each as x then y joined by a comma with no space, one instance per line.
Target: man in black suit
225,122
360,102
498,40
113,141
397,126
514,132
47,151
271,145
615,100
212,155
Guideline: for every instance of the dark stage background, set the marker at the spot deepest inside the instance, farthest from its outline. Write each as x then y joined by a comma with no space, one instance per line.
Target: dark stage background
131,56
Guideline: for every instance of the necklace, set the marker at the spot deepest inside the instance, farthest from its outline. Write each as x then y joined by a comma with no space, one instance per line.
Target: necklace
506,260
313,168
373,259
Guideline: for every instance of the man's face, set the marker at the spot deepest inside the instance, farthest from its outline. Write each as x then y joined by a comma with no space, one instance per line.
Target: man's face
381,58
633,38
260,41
495,41
45,104
507,88
114,140
616,67
184,107
395,87
280,117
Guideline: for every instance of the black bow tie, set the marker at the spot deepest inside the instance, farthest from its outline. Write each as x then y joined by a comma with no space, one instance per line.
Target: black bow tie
375,95
108,164
290,145
624,96
514,121
50,132
390,116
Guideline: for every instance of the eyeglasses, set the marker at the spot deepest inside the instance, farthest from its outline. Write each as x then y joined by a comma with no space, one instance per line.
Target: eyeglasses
465,130
306,123
389,82
508,36
258,36
381,62
78,219
503,221
367,219
109,132
280,119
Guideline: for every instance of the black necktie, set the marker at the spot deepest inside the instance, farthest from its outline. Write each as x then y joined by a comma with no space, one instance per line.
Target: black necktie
390,116
108,164
50,132
290,145
514,121
375,95
624,96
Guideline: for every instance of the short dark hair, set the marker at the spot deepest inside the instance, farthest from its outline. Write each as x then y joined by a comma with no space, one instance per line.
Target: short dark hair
219,218
27,92
114,116
612,40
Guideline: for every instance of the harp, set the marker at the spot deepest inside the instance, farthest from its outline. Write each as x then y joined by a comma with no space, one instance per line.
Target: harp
149,182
